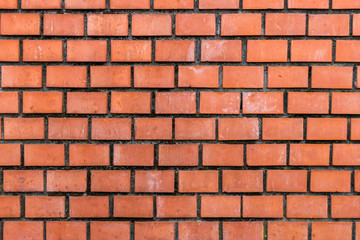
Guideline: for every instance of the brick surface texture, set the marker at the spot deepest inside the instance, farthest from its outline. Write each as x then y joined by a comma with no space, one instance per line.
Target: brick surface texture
180,119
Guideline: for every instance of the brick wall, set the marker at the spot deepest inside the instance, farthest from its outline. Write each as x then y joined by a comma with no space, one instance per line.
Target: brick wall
180,119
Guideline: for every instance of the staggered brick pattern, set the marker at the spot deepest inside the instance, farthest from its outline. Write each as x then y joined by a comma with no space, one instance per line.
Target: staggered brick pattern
180,119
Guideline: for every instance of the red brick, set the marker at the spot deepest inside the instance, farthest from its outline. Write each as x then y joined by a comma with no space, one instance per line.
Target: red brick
198,181
134,155
355,129
357,180
215,4
308,4
282,129
286,181
88,155
329,25
221,51
42,102
68,128
242,181
89,207
173,4
263,4
125,4
240,24
9,50
243,77
316,51
23,128
86,103
309,154
223,155
154,230
346,154
308,103
345,206
195,128
288,230
198,230
267,51
10,155
133,206
44,207
153,128
278,24
198,76
107,25
109,230
175,102
23,181
178,155
21,77
20,24
154,181
43,51
130,102
86,51
85,4
8,4
243,230
219,103
347,51
10,206
175,51
9,102
288,77
29,230
44,155
326,129
64,24
36,4
66,181
154,76
148,25
66,230
238,129
356,24
66,76
331,230
343,103
339,4
220,206
176,206
110,76
307,206
266,154
103,181
195,25
130,51
262,206
263,103
330,181
111,129
331,77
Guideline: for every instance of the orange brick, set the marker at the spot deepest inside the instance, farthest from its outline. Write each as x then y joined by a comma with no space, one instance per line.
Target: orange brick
263,4
223,155
64,24
215,4
103,181
110,76
346,154
355,129
68,128
133,206
242,181
86,51
308,4
66,76
10,155
198,181
130,51
176,206
148,25
326,129
286,181
357,180
238,129
107,25
283,230
263,206
154,181
220,206
345,206
66,180
332,77
245,230
125,4
9,102
86,103
329,25
20,24
288,77
316,51
266,154
307,206
88,155
263,103
81,4
356,24
267,51
21,77
283,129
219,103
43,51
331,230
308,103
153,230
10,206
9,50
330,181
65,230
198,76
29,230
44,207
111,129
130,102
343,103
35,4
243,77
278,24
309,154
173,4
44,155
89,207
338,4
42,102
195,25
175,103
240,24
178,155
153,128
347,51
134,155
198,230
8,4
154,76
175,51
24,128
195,128
110,230
221,51
23,181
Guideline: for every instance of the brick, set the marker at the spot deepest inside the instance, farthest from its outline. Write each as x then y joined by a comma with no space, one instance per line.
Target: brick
148,25
286,181
29,230
238,129
342,103
86,51
278,24
107,25
176,206
332,77
110,76
21,77
88,155
103,181
219,103
153,128
66,230
154,230
84,4
198,76
220,206
266,154
64,24
173,4
23,181
262,206
44,207
130,51
316,51
263,4
111,129
175,51
154,76
282,128
288,77
267,51
329,25
89,207
44,155
86,103
309,154
345,206
134,155
23,128
355,129
356,25
66,181
235,181
221,51
175,102
154,181
42,102
66,77
20,24
338,4
214,4
241,24
10,155
347,51
326,129
10,206
133,206
198,230
223,155
125,4
288,230
8,4
195,25
195,128
308,4
346,155
308,103
9,50
178,155
35,4
263,103
68,128
198,181
110,230
331,230
243,230
243,77
9,102
330,181
42,51
130,102
357,180
307,206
